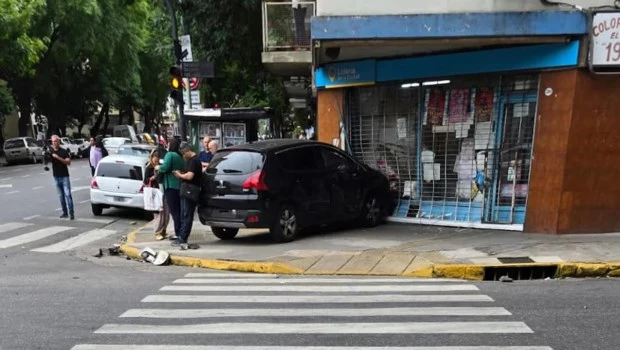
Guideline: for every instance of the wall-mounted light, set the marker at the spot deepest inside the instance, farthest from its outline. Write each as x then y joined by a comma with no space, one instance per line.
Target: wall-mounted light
409,85
440,82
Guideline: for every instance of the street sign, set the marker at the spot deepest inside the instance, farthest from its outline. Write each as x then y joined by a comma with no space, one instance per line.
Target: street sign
199,69
193,83
605,41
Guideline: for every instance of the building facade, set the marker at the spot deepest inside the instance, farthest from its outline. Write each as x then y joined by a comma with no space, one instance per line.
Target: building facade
481,113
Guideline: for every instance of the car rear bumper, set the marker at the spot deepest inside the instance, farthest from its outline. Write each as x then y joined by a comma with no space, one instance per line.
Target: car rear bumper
233,218
117,199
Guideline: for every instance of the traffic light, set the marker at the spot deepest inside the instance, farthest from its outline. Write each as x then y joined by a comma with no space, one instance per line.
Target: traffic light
176,84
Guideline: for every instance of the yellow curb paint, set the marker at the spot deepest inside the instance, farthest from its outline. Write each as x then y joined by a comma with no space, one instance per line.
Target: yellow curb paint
457,271
423,272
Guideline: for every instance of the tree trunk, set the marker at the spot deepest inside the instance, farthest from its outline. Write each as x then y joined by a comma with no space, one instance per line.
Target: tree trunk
120,116
95,129
24,102
107,121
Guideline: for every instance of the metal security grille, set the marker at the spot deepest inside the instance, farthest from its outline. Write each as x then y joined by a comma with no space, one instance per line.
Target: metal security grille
454,150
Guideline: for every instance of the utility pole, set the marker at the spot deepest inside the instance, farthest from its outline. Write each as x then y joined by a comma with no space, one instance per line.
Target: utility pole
179,58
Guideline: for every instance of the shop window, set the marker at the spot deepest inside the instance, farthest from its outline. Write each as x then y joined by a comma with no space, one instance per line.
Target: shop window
457,149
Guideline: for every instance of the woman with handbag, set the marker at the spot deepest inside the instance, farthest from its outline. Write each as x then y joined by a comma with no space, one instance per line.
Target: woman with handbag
190,191
172,162
152,179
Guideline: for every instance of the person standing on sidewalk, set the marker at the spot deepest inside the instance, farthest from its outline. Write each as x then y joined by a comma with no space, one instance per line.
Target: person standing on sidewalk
191,178
150,180
172,162
61,159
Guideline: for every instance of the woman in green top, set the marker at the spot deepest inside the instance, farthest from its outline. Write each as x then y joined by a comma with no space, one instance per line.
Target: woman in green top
172,161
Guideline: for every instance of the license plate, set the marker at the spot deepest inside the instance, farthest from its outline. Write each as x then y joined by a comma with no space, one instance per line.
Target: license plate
118,199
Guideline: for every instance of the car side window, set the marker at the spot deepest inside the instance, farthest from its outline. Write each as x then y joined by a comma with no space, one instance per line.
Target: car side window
333,159
300,159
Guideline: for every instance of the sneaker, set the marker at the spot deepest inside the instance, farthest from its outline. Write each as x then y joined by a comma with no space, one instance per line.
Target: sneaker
175,243
160,236
71,217
173,238
184,246
64,216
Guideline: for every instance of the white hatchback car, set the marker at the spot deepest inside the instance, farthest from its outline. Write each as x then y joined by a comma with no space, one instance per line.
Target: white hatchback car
118,182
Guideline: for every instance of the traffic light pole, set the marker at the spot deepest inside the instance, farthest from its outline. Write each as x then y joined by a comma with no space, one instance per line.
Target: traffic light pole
177,54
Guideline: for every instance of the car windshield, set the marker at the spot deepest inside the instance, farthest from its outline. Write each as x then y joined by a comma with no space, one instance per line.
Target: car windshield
235,162
120,171
134,151
17,143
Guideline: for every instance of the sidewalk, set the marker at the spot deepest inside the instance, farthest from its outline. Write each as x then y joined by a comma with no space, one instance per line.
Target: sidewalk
398,250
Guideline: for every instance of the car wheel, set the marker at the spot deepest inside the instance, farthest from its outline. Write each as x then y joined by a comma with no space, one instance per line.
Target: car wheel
285,226
372,212
224,233
97,209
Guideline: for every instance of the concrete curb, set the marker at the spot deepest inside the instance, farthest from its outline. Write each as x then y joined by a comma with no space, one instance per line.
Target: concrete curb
474,272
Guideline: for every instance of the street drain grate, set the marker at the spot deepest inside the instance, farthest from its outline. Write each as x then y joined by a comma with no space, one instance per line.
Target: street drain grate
493,273
515,260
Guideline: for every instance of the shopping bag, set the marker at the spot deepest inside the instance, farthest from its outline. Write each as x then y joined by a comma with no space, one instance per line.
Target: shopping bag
153,199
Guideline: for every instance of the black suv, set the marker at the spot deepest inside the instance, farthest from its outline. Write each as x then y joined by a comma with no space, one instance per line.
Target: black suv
286,185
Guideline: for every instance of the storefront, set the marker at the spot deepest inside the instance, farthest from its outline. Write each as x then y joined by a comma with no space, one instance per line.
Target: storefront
227,126
455,140
455,149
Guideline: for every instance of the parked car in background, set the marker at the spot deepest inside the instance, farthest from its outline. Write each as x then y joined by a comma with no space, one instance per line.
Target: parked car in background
82,144
21,149
287,185
118,183
113,143
68,145
136,150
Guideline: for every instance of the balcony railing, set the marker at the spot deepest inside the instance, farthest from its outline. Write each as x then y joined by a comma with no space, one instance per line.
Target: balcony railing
286,25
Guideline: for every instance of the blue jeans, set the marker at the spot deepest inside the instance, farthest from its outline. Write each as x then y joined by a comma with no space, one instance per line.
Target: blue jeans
188,207
63,185
172,198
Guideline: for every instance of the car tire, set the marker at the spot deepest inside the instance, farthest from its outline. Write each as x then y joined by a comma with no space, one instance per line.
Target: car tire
97,209
372,213
224,233
285,226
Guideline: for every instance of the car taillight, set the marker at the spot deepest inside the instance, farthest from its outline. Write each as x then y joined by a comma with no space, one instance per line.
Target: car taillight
93,184
255,181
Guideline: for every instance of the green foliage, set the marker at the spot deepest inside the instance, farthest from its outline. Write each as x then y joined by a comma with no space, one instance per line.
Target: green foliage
229,33
6,100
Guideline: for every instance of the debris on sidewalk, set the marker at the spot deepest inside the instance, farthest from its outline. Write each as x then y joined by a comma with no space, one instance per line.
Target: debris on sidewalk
159,258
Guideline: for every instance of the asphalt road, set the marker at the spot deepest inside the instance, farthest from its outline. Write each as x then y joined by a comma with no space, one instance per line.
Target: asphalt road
30,210
56,295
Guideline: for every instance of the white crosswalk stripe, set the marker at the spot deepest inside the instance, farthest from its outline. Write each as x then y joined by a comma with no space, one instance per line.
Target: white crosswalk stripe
33,236
230,305
15,236
76,241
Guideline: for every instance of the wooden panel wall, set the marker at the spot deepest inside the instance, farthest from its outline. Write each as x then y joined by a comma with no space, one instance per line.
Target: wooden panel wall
553,122
330,105
574,185
591,191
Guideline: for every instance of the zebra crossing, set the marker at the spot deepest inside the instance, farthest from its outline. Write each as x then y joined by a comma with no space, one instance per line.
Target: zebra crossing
235,311
37,236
